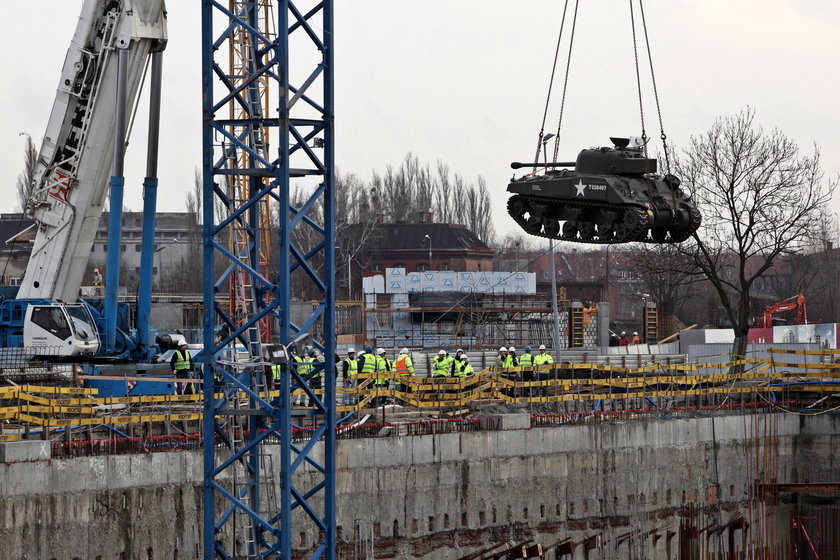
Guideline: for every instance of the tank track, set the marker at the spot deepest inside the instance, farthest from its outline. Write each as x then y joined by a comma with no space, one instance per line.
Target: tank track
633,219
695,220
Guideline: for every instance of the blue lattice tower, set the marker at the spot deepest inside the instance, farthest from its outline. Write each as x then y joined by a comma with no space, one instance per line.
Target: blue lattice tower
254,479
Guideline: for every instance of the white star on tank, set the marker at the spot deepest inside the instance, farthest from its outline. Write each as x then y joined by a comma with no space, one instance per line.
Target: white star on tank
580,186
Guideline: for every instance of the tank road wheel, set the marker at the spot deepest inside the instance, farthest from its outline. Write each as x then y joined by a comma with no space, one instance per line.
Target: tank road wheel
624,228
570,230
517,206
587,230
533,225
629,228
552,227
606,231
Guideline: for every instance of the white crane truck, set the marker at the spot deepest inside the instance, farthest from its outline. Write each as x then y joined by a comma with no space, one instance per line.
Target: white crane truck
115,42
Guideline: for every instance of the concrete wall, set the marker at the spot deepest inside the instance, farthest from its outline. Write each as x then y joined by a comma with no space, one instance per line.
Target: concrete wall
438,496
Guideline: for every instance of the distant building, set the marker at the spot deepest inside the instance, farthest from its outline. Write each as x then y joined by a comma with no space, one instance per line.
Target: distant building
416,247
177,238
176,235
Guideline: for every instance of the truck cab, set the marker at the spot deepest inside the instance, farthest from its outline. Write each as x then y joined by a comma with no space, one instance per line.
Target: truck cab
60,329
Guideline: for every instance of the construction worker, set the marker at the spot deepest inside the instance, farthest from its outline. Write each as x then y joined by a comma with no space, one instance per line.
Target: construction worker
635,339
466,369
403,367
182,367
501,357
303,366
613,339
441,364
512,353
622,340
367,363
526,362
542,359
350,369
456,361
97,282
316,381
383,370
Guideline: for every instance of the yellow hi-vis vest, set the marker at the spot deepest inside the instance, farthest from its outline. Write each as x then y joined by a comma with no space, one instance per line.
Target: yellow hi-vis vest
182,360
441,366
543,359
304,365
352,367
382,365
462,369
368,363
526,360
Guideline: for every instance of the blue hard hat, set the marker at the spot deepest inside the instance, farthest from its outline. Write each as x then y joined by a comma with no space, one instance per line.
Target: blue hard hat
368,349
527,348
312,352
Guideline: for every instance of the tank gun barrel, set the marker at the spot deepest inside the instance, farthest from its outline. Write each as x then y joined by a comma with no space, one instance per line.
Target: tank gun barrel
519,164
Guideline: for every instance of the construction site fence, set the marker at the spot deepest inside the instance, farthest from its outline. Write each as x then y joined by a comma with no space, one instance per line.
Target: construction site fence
575,392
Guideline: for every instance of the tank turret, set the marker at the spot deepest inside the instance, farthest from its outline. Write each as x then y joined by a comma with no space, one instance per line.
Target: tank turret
614,195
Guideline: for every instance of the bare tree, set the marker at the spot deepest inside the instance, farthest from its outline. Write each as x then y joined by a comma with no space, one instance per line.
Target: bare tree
668,276
26,178
479,213
760,199
813,272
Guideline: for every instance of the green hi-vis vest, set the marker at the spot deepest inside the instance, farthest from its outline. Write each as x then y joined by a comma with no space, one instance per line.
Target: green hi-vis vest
305,366
382,365
182,360
526,360
464,370
543,359
352,367
368,363
441,366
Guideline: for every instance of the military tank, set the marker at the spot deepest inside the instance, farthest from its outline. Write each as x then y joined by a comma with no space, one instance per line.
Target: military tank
614,195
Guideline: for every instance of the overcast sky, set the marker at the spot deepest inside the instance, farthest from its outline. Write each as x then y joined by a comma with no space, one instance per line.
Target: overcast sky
465,81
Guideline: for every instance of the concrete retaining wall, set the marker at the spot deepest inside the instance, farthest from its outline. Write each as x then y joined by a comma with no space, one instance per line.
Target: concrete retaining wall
435,496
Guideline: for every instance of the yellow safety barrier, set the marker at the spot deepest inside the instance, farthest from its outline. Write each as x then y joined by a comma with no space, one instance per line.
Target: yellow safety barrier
558,383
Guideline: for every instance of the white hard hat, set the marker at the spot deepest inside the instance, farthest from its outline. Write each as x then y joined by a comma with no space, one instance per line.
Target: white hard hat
380,351
635,333
465,357
351,350
511,349
404,351
459,351
442,352
623,333
502,349
542,346
182,343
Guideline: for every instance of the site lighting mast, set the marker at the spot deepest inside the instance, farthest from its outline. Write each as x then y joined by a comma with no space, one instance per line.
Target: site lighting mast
254,479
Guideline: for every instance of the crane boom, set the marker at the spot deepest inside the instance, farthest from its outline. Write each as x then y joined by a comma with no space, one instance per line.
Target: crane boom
796,302
75,159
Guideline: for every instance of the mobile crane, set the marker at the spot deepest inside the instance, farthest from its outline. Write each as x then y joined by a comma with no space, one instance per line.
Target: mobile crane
83,146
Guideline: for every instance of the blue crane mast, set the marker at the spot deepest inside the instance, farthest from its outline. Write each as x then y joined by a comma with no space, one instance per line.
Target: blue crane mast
254,480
